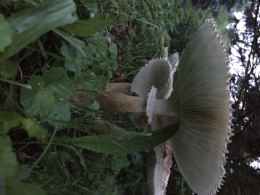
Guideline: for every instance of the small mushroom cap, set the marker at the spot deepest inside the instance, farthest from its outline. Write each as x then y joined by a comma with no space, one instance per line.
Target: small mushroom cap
155,81
199,146
157,73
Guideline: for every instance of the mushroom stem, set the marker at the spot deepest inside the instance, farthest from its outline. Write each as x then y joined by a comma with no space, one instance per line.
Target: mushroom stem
115,101
120,87
115,98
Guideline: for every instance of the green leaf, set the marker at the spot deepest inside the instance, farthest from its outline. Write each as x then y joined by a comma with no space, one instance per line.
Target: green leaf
60,111
9,120
20,188
85,28
38,100
73,41
5,32
32,23
57,81
92,83
121,144
73,59
8,163
32,128
8,69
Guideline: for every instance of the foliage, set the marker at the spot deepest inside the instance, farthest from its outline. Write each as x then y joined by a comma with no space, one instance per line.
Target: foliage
143,27
26,23
5,31
128,143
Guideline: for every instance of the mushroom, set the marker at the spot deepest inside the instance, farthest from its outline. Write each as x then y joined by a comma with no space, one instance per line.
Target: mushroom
200,101
156,76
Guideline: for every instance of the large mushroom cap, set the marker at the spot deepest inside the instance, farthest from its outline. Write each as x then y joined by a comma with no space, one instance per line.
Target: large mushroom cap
199,146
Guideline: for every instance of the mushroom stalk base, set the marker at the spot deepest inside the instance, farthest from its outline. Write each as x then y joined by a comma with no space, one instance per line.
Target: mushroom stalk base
115,101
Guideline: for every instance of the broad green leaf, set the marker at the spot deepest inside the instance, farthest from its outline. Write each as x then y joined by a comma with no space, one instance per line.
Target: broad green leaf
85,28
57,81
121,144
5,32
73,59
92,83
60,111
32,23
8,69
10,120
8,163
73,41
20,188
87,128
38,100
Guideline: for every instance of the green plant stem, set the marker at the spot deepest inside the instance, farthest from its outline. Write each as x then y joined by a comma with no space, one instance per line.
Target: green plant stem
44,151
16,83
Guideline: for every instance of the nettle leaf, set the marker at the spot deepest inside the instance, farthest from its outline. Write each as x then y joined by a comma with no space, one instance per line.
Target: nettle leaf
9,120
16,187
30,24
38,100
85,28
92,83
73,59
8,162
8,69
57,81
121,144
5,32
60,111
